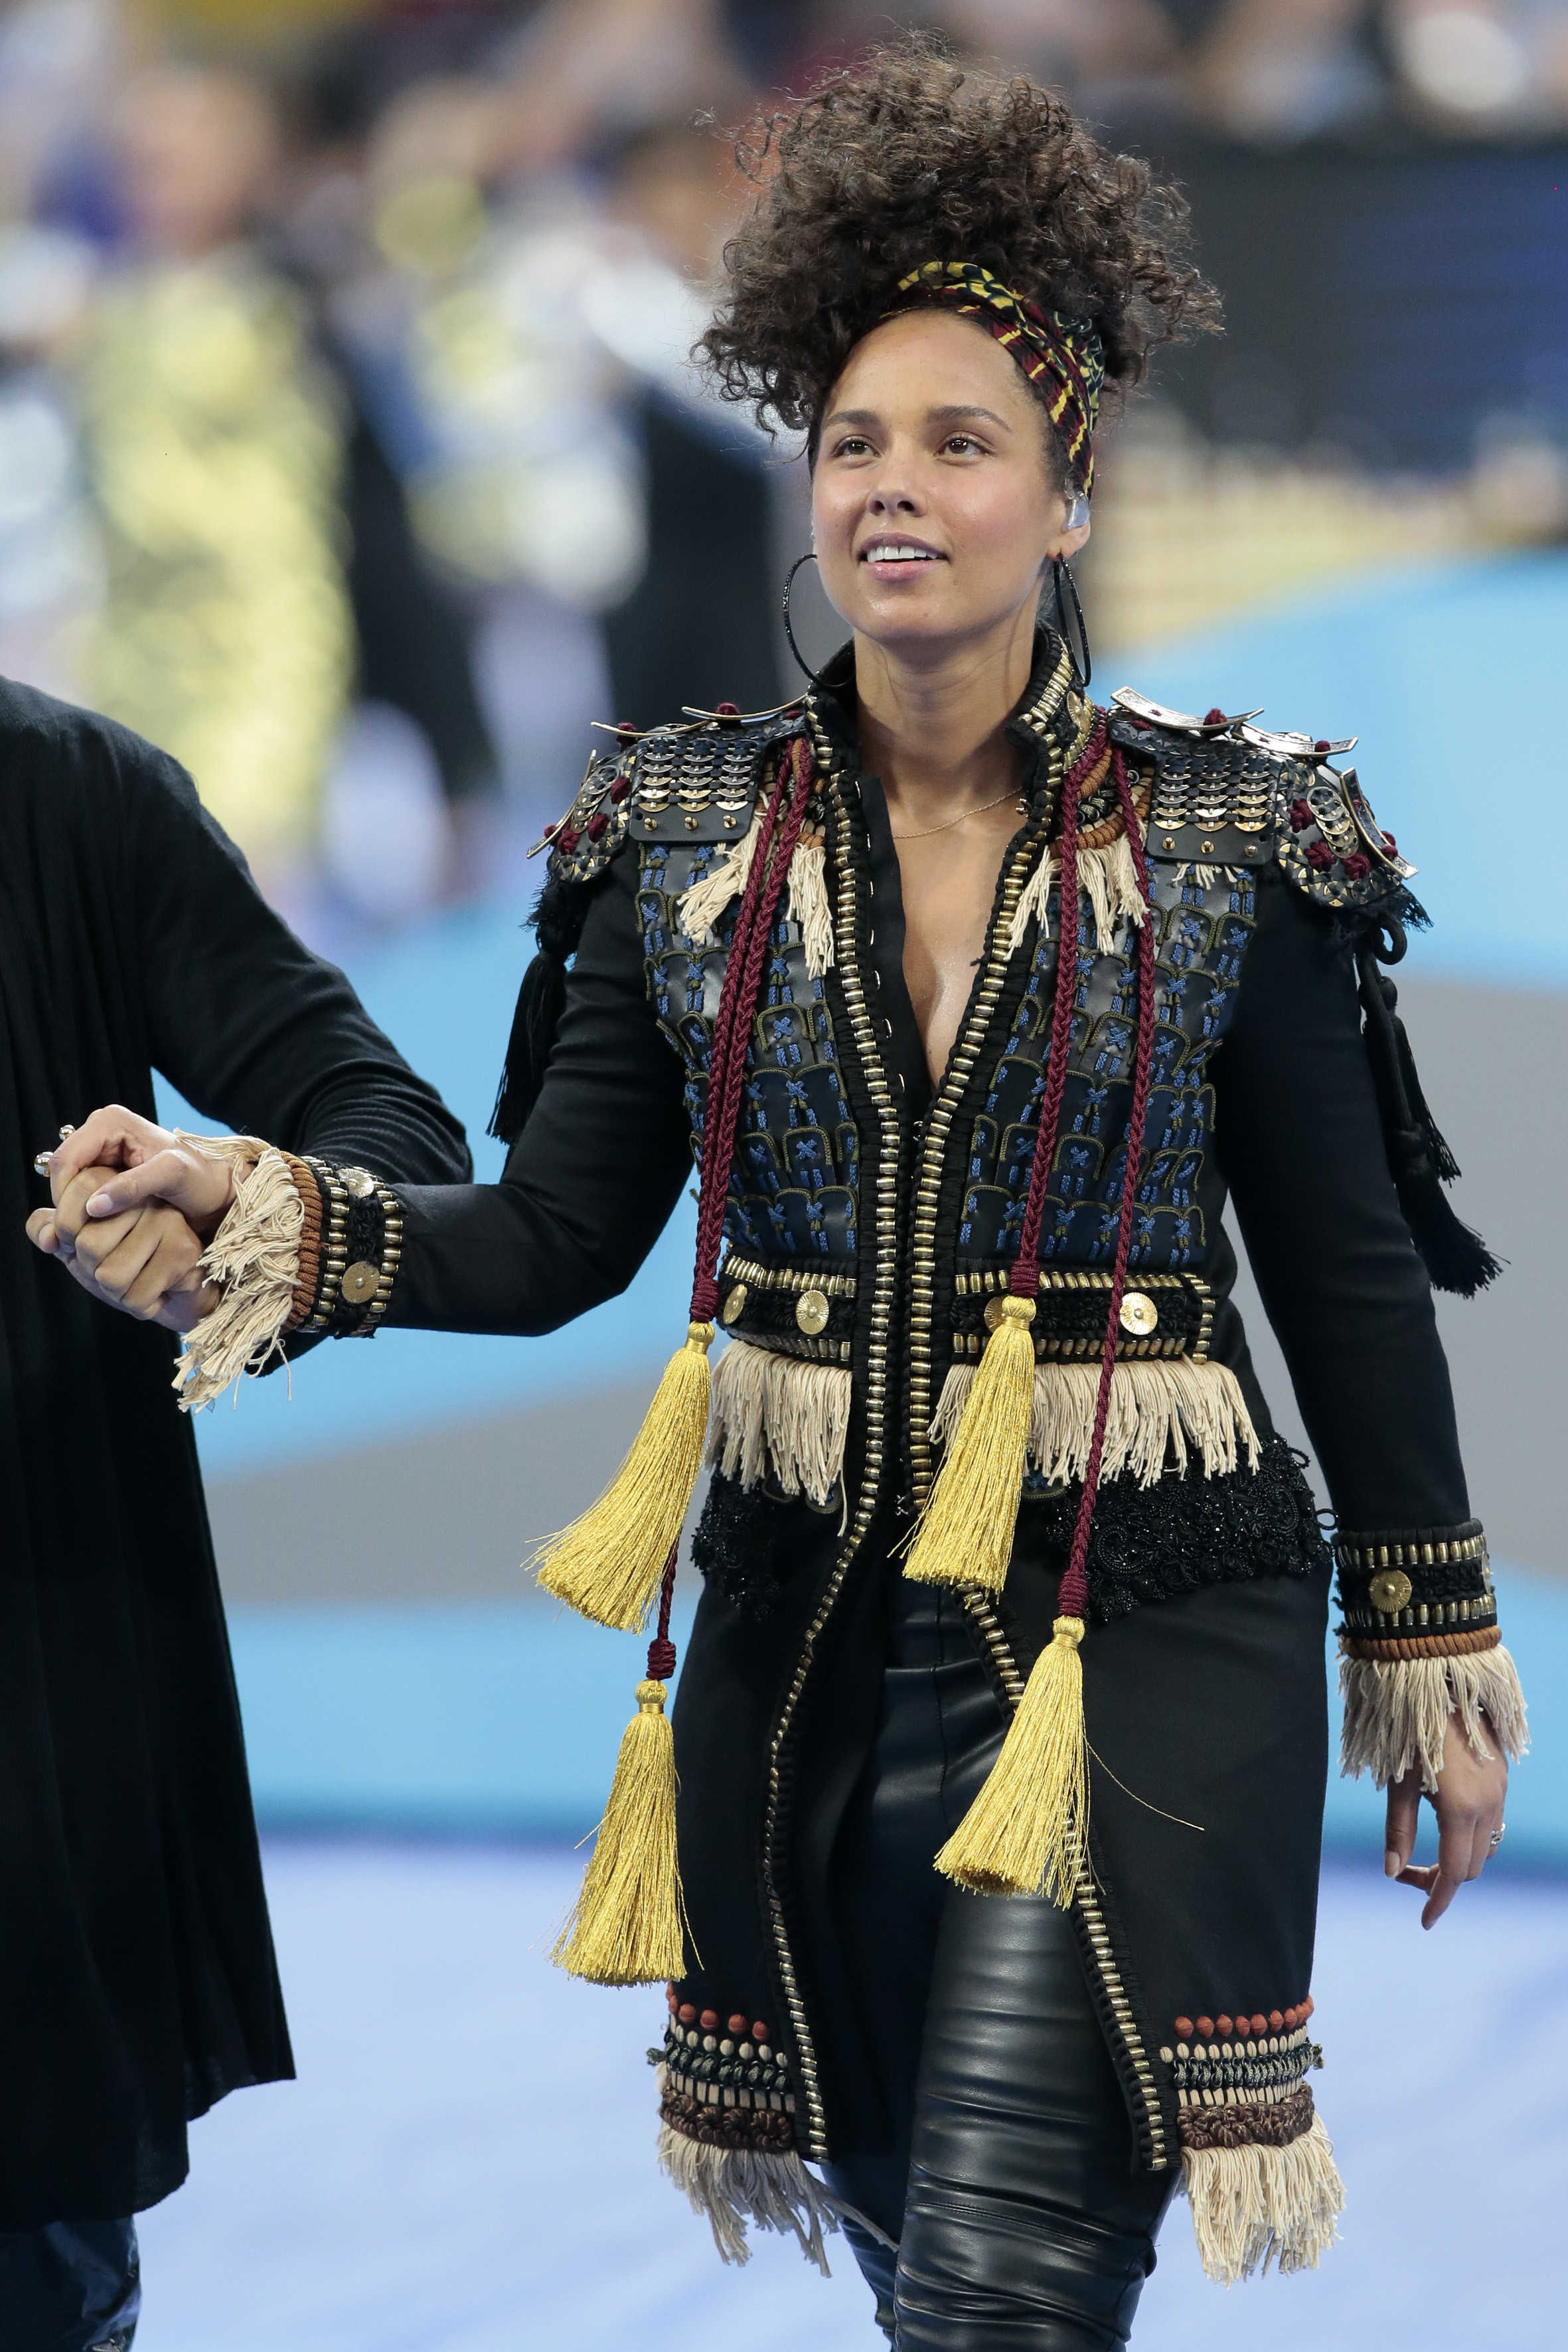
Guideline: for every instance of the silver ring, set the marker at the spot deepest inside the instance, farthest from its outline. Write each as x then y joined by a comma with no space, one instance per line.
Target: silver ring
41,1163
1497,1837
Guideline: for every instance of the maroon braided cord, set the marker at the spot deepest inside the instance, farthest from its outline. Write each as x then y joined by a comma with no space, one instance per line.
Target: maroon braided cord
1024,1280
737,1005
734,964
1074,1593
661,1649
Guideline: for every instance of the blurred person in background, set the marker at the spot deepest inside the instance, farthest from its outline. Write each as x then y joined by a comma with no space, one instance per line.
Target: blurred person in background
704,609
138,1984
999,1518
214,445
267,607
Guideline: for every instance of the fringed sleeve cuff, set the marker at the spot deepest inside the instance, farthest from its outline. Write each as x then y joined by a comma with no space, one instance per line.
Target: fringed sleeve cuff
306,1247
254,1259
1419,1643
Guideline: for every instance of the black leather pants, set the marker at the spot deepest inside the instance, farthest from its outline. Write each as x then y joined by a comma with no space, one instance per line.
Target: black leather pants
1008,2214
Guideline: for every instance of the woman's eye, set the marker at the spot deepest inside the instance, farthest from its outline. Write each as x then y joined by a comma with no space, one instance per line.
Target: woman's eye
964,443
852,446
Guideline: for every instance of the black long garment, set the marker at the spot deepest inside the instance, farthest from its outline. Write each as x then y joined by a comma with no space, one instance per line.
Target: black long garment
1213,1700
137,1977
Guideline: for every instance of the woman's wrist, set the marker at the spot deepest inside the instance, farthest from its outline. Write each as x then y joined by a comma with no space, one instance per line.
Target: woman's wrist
350,1249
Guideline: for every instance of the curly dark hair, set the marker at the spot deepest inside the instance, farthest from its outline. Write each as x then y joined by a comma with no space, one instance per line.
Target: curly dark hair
909,157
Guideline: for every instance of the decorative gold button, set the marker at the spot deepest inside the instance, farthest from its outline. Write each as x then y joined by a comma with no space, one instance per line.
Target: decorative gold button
811,1311
360,1183
994,1310
734,1307
1389,1592
359,1281
1138,1313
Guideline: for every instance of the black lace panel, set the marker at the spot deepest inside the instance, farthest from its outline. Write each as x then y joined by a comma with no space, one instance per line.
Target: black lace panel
1148,1543
1152,1543
750,1541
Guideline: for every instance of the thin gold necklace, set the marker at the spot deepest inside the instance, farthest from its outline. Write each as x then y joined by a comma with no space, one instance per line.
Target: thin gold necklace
925,831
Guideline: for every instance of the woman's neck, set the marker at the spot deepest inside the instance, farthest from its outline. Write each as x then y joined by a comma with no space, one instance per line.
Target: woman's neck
932,731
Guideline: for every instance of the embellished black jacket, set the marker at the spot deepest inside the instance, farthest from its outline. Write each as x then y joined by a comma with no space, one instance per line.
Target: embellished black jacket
871,1223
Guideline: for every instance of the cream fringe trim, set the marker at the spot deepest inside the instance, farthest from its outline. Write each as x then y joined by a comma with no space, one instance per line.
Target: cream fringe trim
779,1412
808,904
731,2187
1396,1715
1156,1406
699,908
1108,878
253,1258
1254,2206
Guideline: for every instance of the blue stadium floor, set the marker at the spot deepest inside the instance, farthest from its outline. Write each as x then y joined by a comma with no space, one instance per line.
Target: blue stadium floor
466,2166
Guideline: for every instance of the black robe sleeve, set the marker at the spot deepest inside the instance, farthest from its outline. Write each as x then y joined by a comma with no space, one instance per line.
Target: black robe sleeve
1341,1279
590,1182
252,1028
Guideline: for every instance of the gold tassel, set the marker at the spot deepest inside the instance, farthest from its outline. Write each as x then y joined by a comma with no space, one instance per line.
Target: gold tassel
629,1927
1025,1834
607,1565
965,1533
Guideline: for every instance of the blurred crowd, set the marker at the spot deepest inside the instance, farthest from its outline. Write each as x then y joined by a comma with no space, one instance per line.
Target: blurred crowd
349,443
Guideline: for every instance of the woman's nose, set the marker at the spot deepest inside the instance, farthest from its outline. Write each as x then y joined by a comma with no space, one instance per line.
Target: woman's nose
895,494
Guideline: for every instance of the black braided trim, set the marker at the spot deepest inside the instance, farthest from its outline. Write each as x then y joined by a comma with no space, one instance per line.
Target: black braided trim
1154,1543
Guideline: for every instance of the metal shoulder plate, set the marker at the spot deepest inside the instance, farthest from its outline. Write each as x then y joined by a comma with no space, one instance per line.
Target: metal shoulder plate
695,779
1226,792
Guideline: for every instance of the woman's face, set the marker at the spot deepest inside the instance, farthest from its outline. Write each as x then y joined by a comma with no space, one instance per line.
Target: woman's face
933,506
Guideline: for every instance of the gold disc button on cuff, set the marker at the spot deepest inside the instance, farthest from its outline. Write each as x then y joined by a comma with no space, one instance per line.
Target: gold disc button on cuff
811,1312
361,1183
1138,1313
359,1281
1389,1592
734,1307
994,1310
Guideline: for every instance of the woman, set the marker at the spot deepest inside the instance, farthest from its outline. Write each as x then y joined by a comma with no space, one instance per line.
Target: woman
1003,1564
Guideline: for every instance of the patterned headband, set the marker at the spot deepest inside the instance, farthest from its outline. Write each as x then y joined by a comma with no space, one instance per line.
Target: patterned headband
1063,358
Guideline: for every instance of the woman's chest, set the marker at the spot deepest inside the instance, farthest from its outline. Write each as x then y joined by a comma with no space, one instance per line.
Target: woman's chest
844,1122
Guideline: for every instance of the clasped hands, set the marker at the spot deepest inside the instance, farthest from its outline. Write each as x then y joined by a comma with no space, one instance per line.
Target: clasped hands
133,1210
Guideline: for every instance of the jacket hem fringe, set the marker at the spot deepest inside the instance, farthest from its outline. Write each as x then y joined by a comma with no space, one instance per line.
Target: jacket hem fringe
733,2188
1255,2205
784,1413
1157,1406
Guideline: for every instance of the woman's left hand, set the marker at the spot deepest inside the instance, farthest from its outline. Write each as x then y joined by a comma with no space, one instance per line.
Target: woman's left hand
1468,1805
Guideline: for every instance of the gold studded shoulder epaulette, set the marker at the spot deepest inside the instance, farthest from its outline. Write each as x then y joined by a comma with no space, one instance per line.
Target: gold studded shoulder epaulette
1224,792
695,779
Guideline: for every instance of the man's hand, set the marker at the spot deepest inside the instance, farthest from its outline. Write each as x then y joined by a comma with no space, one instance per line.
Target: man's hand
1468,1805
137,1162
